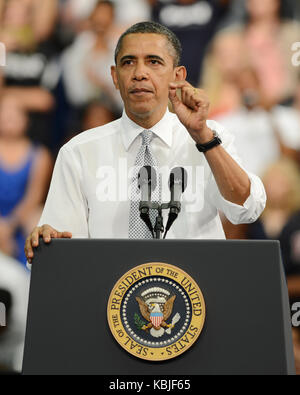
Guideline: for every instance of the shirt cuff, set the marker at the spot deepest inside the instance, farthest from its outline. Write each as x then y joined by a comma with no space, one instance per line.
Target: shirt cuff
252,207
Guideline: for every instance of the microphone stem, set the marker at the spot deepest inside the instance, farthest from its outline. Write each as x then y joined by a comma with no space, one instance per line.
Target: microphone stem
159,225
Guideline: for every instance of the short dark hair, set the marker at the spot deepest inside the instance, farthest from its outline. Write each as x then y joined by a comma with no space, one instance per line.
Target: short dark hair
156,28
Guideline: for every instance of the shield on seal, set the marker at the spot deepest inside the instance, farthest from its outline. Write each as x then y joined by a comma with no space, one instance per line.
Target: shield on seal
156,319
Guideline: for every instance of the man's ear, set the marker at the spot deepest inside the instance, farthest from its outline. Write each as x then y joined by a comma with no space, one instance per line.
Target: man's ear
113,71
180,73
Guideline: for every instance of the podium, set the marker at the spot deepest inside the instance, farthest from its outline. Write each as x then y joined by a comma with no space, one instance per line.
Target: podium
247,328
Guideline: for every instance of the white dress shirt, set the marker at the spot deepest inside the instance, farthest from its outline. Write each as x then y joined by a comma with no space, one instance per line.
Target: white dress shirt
89,192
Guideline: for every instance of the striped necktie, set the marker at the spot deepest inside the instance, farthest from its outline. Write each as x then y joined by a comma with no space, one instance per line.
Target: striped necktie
145,157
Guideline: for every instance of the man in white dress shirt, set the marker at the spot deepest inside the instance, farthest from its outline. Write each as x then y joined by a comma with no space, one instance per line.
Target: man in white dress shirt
88,193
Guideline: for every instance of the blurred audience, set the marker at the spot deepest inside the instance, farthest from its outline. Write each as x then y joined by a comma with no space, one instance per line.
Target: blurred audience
296,341
194,22
296,102
94,114
25,170
264,43
14,290
26,23
268,40
132,11
86,63
281,220
74,14
289,9
6,301
97,114
223,64
26,30
262,132
290,245
281,181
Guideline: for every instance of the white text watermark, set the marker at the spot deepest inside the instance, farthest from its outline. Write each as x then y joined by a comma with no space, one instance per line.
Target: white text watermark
2,314
2,55
115,184
296,314
296,56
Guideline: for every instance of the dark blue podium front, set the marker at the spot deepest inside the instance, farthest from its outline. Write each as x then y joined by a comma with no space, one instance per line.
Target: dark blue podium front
247,328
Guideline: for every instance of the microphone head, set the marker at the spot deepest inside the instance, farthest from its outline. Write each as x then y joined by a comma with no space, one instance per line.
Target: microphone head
178,176
147,176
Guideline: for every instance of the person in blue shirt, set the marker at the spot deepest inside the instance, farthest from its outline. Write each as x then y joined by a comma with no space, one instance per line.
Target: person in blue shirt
25,171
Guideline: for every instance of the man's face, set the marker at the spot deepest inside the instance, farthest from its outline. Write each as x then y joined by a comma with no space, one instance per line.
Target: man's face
145,67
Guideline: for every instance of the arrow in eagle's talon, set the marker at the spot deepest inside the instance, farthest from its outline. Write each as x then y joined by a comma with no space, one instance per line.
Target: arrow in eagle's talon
175,319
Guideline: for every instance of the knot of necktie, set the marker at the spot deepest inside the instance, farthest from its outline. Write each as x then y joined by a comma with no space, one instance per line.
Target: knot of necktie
147,137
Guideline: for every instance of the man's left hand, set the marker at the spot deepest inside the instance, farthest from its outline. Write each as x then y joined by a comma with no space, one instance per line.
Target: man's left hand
192,110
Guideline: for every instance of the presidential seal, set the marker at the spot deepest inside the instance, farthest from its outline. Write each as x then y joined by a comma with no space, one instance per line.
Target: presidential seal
156,311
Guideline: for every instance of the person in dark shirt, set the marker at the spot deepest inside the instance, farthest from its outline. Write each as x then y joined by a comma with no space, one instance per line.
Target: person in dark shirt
29,73
194,22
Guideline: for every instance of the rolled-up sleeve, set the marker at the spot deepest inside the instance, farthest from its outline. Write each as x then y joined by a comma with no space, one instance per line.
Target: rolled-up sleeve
66,207
256,201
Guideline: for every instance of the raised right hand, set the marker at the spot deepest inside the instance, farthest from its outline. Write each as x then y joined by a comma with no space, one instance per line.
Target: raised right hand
48,233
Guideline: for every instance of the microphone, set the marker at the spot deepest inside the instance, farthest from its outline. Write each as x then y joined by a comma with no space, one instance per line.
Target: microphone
177,185
147,184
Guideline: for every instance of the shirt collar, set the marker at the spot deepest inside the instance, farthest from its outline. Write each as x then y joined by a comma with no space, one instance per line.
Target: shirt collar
130,130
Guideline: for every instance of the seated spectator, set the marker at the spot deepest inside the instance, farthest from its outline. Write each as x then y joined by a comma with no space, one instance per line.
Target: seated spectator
262,132
14,291
289,9
281,181
86,64
97,114
194,22
26,29
25,171
281,220
264,42
74,15
223,64
25,23
268,40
